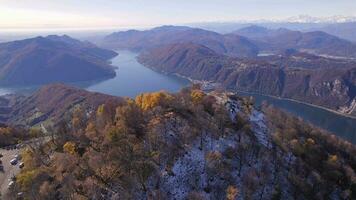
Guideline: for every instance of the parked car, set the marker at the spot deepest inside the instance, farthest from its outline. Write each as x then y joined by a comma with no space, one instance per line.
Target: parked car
13,178
1,168
12,183
1,155
21,165
18,157
13,161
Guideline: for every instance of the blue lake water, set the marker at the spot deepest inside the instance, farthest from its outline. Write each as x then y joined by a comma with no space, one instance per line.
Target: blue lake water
132,78
342,126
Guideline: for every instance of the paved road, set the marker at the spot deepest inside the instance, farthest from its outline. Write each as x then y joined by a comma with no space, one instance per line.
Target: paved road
9,170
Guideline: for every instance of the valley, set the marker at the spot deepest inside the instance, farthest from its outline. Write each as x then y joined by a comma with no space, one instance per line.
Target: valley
141,79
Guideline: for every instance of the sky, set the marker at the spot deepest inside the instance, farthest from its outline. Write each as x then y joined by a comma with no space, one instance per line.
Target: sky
49,14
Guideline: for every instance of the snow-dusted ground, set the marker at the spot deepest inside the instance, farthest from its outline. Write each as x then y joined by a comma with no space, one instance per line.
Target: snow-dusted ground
257,120
190,171
260,129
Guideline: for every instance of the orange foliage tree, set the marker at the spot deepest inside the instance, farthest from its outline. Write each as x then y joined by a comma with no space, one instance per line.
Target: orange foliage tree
150,100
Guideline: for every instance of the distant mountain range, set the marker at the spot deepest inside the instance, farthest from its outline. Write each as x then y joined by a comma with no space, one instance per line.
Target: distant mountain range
299,76
342,30
299,19
52,59
318,42
230,44
245,42
259,32
343,27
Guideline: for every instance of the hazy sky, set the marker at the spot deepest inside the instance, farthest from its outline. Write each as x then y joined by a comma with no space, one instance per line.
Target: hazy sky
124,13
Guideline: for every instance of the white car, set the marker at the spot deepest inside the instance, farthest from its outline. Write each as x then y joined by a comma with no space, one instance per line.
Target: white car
13,161
13,178
18,157
12,183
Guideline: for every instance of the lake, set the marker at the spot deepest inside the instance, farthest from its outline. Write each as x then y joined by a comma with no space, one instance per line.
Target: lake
342,126
133,78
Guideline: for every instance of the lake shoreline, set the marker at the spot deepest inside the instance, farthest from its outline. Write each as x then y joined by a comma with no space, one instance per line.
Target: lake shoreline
297,101
255,93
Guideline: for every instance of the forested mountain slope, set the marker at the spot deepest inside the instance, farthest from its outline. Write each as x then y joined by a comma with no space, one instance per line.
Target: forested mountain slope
188,145
326,82
50,105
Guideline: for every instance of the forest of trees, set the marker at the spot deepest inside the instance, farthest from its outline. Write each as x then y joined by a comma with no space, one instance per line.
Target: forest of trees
11,135
115,150
323,161
128,151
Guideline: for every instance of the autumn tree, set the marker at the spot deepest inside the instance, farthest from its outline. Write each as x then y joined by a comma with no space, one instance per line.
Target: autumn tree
197,96
232,193
69,147
150,100
130,119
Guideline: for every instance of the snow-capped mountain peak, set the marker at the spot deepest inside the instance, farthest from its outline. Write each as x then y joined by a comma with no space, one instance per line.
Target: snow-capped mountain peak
331,19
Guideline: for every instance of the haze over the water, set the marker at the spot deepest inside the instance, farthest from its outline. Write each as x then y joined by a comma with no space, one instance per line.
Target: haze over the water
70,14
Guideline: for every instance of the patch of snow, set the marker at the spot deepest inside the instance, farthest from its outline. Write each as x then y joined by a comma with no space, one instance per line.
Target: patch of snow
189,171
260,129
257,120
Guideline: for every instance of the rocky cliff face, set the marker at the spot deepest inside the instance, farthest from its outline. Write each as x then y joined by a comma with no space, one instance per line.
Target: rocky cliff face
332,85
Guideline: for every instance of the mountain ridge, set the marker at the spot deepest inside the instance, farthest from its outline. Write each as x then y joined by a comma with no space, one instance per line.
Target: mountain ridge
52,59
50,105
229,44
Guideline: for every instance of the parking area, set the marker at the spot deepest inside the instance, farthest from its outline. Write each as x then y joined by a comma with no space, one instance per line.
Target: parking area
9,170
9,154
